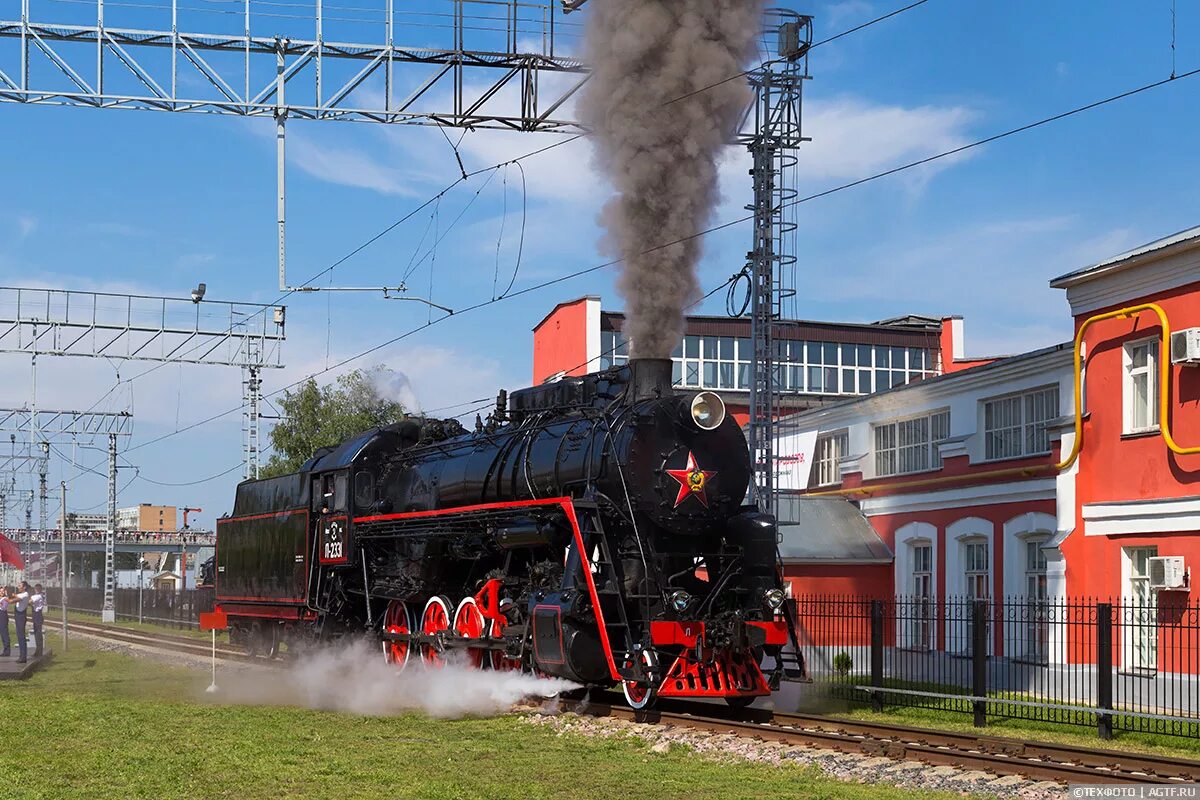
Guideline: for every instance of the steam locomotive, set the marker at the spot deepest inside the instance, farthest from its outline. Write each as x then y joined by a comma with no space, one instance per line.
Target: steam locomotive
592,529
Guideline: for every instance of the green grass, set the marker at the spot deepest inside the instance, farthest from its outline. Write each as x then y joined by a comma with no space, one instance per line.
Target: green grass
98,725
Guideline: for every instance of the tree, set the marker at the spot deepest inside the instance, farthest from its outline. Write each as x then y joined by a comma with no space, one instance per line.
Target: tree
320,416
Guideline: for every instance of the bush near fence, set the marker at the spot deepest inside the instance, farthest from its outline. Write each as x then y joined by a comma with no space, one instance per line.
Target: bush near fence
1110,664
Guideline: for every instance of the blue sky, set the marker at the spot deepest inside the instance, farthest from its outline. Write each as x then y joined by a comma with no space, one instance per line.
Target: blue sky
154,202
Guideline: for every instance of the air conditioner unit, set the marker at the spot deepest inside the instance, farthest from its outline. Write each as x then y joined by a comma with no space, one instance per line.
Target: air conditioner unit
1185,347
1167,572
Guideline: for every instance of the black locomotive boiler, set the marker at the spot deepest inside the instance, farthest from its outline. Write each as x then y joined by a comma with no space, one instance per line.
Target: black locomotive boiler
593,529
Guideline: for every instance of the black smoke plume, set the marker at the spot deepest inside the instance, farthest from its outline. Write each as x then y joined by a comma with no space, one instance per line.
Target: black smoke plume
661,156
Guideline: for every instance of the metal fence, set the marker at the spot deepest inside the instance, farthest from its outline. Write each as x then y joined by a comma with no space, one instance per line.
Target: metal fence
1109,664
180,609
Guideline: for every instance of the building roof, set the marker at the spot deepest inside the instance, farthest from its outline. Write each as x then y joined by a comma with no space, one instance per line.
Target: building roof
1118,262
827,530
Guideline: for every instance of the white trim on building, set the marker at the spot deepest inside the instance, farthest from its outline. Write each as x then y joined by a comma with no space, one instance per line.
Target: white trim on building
1166,515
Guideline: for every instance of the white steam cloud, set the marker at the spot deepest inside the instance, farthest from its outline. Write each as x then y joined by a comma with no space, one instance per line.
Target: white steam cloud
661,108
395,386
355,680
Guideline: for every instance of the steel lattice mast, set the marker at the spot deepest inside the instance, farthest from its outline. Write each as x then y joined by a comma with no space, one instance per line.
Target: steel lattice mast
777,132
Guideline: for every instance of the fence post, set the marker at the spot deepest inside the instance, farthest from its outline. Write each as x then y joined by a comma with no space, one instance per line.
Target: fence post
877,654
979,648
1104,649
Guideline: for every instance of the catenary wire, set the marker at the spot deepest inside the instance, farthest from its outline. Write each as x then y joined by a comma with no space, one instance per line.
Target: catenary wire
435,198
706,231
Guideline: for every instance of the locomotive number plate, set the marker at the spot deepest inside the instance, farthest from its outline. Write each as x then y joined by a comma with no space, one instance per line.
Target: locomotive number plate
334,541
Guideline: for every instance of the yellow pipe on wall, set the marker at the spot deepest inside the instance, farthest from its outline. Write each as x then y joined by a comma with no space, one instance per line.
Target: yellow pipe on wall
1164,424
1164,373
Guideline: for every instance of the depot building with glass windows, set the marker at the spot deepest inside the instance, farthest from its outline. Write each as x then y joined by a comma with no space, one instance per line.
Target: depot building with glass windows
817,362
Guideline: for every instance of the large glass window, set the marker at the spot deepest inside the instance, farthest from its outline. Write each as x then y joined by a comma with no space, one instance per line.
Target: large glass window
724,362
1141,386
910,445
1016,425
614,349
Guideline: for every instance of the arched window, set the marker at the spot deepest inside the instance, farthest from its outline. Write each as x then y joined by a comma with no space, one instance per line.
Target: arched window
916,585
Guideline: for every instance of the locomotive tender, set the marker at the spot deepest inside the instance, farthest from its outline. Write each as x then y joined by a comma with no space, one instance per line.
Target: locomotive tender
593,529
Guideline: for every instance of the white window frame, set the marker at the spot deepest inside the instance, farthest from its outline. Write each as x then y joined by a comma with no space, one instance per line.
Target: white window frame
1139,619
830,449
895,451
1022,425
923,623
1130,373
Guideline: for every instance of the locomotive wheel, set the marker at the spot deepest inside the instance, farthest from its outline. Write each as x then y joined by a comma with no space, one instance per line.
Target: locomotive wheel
397,619
469,623
271,640
739,703
435,619
500,659
640,695
254,640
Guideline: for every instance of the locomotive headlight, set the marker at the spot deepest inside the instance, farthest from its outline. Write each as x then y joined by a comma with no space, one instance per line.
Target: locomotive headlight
774,598
680,600
708,411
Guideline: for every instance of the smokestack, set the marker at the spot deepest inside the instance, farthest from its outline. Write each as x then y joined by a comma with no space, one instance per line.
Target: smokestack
661,107
650,378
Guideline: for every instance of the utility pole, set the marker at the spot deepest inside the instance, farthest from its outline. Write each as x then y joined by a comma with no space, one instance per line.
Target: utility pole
43,466
108,613
62,560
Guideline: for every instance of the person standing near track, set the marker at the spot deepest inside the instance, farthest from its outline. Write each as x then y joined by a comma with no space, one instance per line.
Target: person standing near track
21,609
5,596
37,605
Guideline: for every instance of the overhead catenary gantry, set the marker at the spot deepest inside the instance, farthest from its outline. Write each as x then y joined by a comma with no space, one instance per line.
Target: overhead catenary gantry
483,69
45,425
61,322
485,73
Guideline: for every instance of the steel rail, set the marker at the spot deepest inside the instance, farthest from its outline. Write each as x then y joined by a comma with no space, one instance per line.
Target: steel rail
998,755
158,641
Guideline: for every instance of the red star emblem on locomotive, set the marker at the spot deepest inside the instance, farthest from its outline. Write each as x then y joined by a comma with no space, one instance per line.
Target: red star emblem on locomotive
692,481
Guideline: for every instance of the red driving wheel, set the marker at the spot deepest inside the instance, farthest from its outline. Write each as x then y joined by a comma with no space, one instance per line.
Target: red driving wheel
397,620
469,624
435,619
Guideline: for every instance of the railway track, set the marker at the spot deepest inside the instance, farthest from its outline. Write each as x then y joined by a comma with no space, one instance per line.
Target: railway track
997,755
157,641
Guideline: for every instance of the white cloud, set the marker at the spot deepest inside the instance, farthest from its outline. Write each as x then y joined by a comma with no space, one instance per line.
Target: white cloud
835,14
26,224
349,166
938,273
853,138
